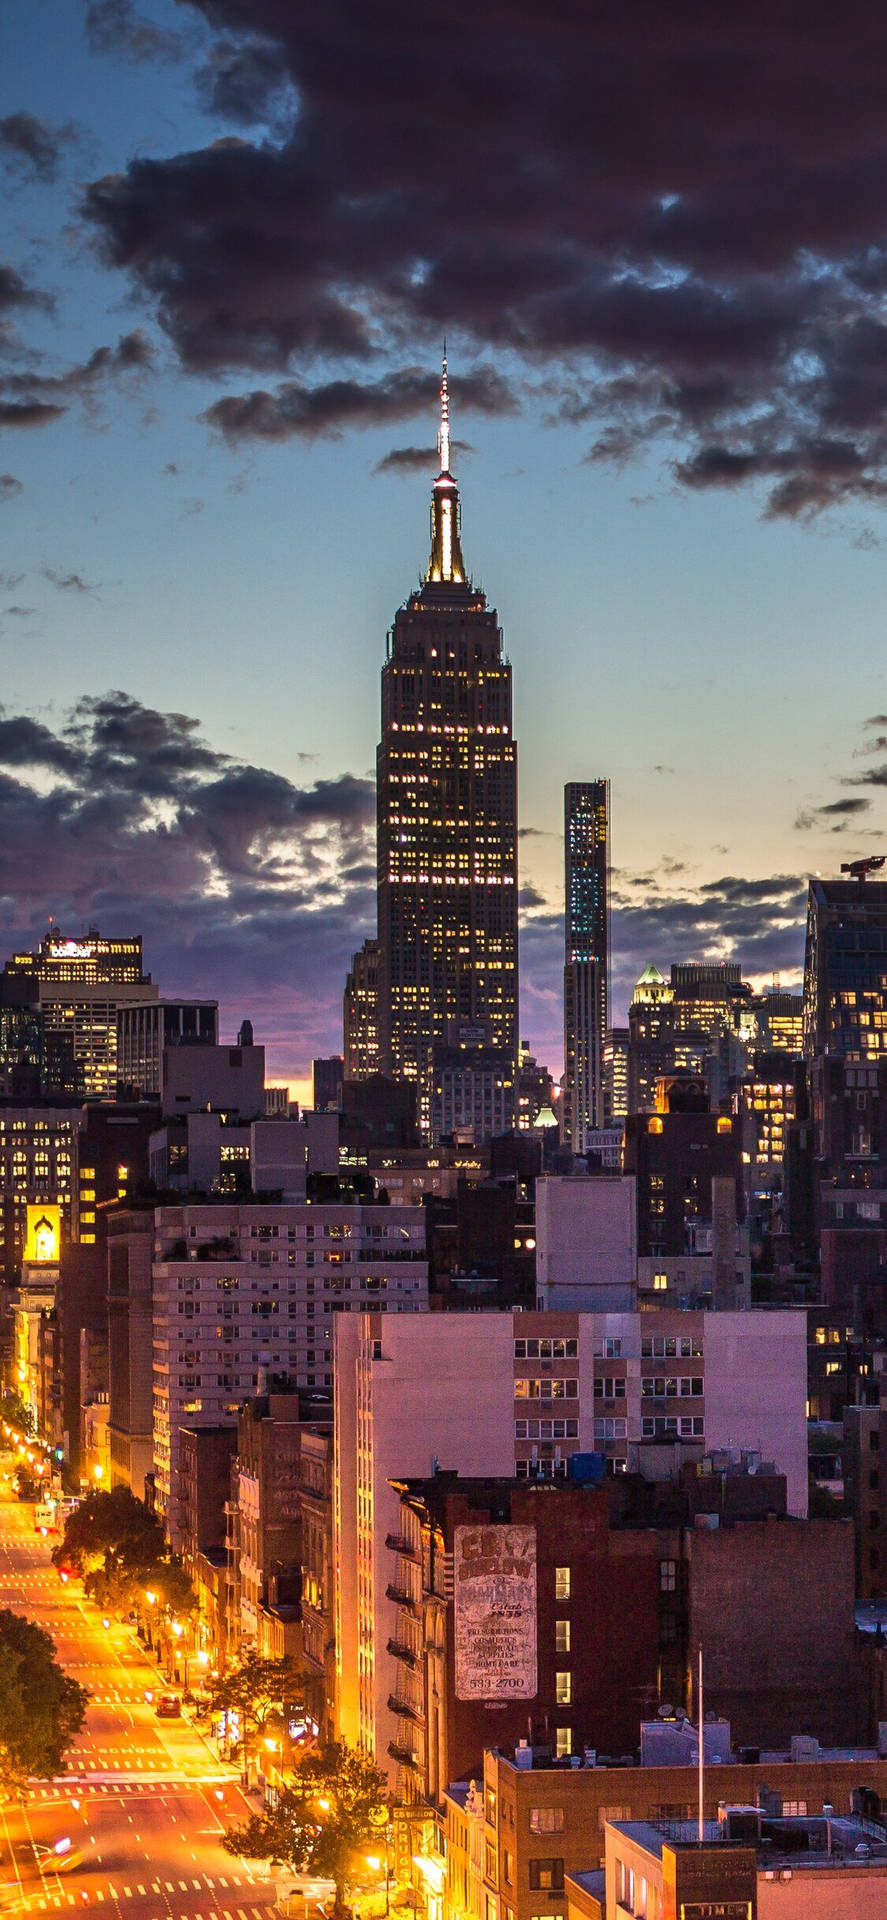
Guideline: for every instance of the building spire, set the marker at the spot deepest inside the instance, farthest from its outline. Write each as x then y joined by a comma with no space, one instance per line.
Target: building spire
446,562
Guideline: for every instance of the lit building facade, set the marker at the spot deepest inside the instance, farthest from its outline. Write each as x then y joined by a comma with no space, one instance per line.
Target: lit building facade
38,1166
361,1014
236,1289
586,958
446,815
79,985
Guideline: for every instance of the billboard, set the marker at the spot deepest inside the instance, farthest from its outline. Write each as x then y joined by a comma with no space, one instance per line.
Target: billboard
494,1592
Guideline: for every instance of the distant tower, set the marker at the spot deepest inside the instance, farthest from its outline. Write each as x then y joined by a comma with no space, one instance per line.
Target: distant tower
587,956
446,817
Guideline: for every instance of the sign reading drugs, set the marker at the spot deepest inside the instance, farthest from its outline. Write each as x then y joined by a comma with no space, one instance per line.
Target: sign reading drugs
494,1582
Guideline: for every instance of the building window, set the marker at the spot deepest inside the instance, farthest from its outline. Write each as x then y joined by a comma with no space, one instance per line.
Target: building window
563,1742
562,1636
660,1282
547,1875
546,1819
562,1583
668,1576
563,1688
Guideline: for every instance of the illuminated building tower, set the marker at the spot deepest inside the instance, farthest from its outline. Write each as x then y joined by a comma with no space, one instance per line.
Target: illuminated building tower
360,1014
845,969
78,986
446,817
586,968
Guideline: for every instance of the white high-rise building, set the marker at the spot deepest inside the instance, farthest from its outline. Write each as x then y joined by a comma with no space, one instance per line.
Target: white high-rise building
243,1288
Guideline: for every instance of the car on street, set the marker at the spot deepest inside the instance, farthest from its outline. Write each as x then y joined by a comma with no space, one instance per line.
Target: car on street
168,1706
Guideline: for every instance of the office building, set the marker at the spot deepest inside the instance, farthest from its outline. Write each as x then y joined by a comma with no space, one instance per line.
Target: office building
845,969
446,815
616,1057
780,1019
239,1289
79,987
473,1095
361,1014
38,1165
675,1153
326,1083
650,1038
586,956
147,1028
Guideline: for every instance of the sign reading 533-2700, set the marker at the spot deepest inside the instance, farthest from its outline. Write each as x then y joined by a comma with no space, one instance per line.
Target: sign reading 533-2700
494,1581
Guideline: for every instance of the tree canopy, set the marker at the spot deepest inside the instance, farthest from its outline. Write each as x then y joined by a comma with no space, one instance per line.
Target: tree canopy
329,1813
264,1694
118,1548
41,1707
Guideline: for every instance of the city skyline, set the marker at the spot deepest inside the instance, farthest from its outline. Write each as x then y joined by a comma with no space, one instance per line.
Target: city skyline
179,524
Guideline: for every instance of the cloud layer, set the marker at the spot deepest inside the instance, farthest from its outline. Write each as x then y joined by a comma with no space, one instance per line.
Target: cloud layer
674,219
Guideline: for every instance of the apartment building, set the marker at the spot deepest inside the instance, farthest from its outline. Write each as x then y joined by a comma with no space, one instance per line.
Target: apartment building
241,1288
516,1395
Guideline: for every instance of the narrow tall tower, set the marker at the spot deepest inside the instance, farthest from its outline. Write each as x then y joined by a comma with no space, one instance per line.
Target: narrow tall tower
446,816
587,956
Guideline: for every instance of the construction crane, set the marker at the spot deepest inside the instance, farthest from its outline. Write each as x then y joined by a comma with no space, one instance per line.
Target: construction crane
858,869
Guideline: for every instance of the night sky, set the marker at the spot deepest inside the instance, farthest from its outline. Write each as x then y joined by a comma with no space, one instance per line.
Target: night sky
234,235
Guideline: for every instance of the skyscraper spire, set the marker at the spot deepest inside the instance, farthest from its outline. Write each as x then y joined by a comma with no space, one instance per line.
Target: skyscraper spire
446,562
443,432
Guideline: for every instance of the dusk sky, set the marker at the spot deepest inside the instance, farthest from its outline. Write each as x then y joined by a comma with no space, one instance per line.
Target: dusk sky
235,233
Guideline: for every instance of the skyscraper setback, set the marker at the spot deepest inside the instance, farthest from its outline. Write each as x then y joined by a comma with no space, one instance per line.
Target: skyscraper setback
446,817
587,953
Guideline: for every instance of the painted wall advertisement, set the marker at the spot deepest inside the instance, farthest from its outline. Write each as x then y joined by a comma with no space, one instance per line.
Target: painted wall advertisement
494,1590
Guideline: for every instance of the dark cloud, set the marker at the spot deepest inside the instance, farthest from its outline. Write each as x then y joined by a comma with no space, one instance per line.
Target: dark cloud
242,81
114,26
246,886
15,292
841,810
133,353
69,582
876,720
338,404
28,413
418,459
873,777
31,145
9,486
677,215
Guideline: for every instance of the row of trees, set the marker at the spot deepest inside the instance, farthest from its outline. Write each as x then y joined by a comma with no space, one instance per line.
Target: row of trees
334,1805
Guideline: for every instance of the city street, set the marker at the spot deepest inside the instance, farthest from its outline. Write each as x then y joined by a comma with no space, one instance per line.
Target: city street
144,1801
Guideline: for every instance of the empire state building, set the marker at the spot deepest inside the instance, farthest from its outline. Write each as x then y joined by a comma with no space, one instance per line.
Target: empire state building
446,819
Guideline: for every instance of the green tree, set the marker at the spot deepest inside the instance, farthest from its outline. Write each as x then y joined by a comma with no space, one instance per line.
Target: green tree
327,1817
41,1707
111,1523
264,1694
118,1548
16,1413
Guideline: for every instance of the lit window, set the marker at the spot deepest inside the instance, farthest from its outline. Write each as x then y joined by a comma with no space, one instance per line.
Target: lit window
563,1688
562,1636
562,1583
563,1742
